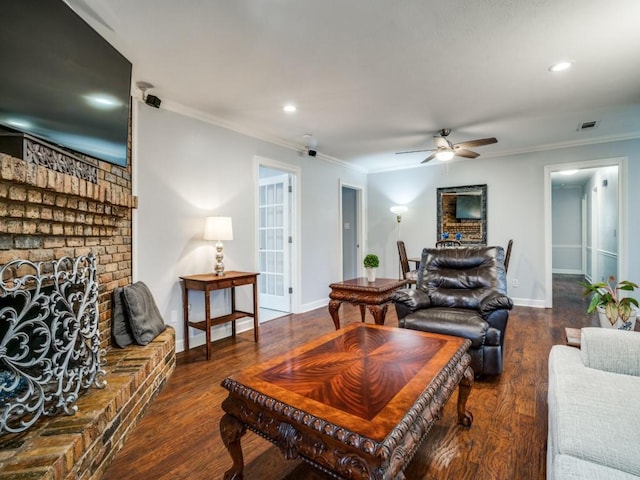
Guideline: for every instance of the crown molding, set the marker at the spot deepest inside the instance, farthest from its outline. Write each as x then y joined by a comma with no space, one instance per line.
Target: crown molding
521,151
252,132
301,149
572,144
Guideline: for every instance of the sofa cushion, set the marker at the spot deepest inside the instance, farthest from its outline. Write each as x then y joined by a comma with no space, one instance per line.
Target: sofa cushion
572,468
593,415
145,318
597,352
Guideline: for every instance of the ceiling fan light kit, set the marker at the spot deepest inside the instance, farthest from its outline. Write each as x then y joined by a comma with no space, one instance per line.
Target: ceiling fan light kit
445,155
445,150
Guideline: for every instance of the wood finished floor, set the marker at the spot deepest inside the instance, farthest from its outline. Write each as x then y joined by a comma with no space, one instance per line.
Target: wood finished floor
178,438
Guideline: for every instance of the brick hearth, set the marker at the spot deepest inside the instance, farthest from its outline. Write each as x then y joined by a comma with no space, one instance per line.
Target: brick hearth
82,445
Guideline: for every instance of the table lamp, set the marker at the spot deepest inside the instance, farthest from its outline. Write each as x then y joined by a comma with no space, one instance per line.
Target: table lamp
218,229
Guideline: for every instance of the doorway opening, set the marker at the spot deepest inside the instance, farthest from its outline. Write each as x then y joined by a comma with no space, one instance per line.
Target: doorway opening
585,227
276,239
351,230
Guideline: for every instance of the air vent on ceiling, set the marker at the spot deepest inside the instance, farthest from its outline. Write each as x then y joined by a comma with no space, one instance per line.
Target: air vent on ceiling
588,125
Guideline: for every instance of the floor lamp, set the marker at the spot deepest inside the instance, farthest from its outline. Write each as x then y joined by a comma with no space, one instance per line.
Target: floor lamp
398,210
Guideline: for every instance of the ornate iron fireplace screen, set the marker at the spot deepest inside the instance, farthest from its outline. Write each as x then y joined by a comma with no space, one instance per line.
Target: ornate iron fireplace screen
49,338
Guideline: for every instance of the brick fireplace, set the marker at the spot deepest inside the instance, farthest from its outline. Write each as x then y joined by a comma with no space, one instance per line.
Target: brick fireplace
54,206
48,213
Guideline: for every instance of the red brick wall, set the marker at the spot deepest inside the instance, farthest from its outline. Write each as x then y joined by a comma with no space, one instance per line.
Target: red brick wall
46,214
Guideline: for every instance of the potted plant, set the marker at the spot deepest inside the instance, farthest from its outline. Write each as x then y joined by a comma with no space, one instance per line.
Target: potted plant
371,262
613,310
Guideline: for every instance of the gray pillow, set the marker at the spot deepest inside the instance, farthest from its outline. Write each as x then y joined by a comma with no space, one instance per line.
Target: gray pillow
144,316
120,328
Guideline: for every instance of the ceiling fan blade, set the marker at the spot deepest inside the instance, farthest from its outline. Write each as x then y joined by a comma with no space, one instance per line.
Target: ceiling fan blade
429,158
476,143
463,152
415,151
441,142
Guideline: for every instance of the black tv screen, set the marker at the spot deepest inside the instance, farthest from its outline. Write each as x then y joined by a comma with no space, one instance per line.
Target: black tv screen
468,206
61,81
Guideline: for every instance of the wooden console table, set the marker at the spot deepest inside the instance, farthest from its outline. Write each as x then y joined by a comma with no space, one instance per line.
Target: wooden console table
207,283
358,291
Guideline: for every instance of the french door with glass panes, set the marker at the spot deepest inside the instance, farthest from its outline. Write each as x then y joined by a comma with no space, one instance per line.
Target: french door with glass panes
274,243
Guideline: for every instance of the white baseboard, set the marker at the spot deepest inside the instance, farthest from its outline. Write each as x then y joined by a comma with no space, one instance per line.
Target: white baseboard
567,271
307,307
528,302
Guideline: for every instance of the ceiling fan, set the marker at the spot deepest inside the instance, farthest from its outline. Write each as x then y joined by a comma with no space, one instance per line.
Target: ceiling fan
445,150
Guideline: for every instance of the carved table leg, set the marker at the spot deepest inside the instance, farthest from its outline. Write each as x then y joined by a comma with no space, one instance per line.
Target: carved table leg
231,430
464,389
378,312
334,306
362,312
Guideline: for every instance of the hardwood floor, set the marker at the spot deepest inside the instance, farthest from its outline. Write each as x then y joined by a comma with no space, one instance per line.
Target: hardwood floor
179,438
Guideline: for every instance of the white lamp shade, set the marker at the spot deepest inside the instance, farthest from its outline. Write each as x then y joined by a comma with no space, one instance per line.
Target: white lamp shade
218,228
398,209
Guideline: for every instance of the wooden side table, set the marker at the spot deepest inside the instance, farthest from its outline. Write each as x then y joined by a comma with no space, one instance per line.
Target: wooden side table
573,336
358,291
207,283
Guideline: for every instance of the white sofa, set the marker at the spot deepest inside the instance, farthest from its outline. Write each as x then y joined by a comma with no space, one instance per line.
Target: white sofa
594,407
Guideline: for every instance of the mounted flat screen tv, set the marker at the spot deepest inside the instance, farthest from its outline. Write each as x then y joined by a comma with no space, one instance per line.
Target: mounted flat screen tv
468,207
61,81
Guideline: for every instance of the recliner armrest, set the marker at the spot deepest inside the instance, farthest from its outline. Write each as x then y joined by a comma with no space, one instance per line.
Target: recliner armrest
408,300
611,350
495,302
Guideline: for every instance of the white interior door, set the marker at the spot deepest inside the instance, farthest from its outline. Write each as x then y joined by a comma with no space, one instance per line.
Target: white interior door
274,243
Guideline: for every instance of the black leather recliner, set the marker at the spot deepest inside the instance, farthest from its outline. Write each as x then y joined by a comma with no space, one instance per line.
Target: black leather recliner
461,292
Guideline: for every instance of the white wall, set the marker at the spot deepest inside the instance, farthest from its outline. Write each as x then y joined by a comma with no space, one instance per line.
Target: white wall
602,192
515,208
567,229
185,170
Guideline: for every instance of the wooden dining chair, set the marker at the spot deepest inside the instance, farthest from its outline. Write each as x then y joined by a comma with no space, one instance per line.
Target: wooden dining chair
411,276
448,243
507,255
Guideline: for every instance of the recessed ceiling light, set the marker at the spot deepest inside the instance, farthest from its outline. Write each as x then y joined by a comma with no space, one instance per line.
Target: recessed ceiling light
289,108
560,66
568,172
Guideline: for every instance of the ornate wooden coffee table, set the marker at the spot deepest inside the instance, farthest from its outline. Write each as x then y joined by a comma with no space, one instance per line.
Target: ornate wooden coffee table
356,403
374,295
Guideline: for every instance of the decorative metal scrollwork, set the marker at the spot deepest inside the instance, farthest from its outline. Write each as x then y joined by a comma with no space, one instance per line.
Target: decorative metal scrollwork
49,338
53,159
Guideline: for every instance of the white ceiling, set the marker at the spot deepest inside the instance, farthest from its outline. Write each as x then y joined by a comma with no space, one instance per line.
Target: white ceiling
373,77
578,179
